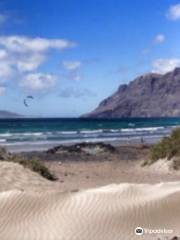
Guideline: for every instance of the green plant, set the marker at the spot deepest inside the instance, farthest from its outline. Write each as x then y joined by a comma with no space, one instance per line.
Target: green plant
39,167
35,165
167,148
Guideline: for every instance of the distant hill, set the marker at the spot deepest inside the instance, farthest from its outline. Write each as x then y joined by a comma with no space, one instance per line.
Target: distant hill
150,95
7,114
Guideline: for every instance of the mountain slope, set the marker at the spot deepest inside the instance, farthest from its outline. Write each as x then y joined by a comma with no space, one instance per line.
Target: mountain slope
150,95
7,114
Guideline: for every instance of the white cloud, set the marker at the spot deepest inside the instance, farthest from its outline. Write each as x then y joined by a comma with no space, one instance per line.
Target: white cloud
30,63
20,55
21,44
71,65
38,81
76,93
165,65
3,54
2,90
159,38
72,68
5,71
174,12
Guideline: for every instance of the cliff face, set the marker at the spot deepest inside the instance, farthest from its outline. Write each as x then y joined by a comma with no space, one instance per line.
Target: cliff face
150,95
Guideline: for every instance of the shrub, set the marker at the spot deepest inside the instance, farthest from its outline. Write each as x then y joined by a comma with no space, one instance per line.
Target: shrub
39,167
33,164
4,154
168,147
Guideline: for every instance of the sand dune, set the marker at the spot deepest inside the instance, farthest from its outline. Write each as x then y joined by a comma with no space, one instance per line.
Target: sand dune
106,213
15,176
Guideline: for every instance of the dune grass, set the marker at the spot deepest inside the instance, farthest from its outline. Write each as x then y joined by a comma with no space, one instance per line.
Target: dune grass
35,165
168,147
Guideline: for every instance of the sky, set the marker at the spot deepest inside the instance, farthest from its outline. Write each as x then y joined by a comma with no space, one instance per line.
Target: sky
71,54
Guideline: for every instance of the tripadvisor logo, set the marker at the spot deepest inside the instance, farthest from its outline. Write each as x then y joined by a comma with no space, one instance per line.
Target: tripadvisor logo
139,231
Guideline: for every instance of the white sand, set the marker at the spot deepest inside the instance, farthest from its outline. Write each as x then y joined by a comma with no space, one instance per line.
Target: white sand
15,176
106,213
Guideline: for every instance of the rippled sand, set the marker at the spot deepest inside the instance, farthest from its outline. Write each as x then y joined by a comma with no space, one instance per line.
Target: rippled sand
108,213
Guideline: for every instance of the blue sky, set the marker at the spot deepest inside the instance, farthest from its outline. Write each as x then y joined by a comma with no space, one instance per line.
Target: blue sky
70,54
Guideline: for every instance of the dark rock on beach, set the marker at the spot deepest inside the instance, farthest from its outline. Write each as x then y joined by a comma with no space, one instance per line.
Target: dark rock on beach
87,148
89,152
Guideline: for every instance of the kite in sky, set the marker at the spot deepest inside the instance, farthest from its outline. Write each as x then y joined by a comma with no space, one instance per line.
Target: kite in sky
26,100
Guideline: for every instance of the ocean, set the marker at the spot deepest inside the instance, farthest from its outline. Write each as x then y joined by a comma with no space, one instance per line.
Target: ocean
42,133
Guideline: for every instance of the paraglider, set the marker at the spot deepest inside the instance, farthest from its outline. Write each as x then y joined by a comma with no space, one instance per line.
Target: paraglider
26,104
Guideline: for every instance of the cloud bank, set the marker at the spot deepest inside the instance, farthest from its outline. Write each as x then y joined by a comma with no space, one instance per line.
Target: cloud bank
165,65
174,12
38,81
22,56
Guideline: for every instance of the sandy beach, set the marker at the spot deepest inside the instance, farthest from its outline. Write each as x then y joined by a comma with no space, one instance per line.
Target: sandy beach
103,196
90,120
100,213
124,166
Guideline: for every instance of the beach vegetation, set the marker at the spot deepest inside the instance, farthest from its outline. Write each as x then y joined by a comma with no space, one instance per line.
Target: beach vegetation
35,165
168,148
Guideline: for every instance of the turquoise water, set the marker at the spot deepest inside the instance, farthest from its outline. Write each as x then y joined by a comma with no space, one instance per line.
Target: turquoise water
19,132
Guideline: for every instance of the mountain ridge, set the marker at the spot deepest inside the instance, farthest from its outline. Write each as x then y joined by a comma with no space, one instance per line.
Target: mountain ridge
8,114
150,95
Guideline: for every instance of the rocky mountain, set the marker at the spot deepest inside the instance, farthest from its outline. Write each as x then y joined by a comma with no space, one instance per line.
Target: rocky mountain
150,95
7,114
